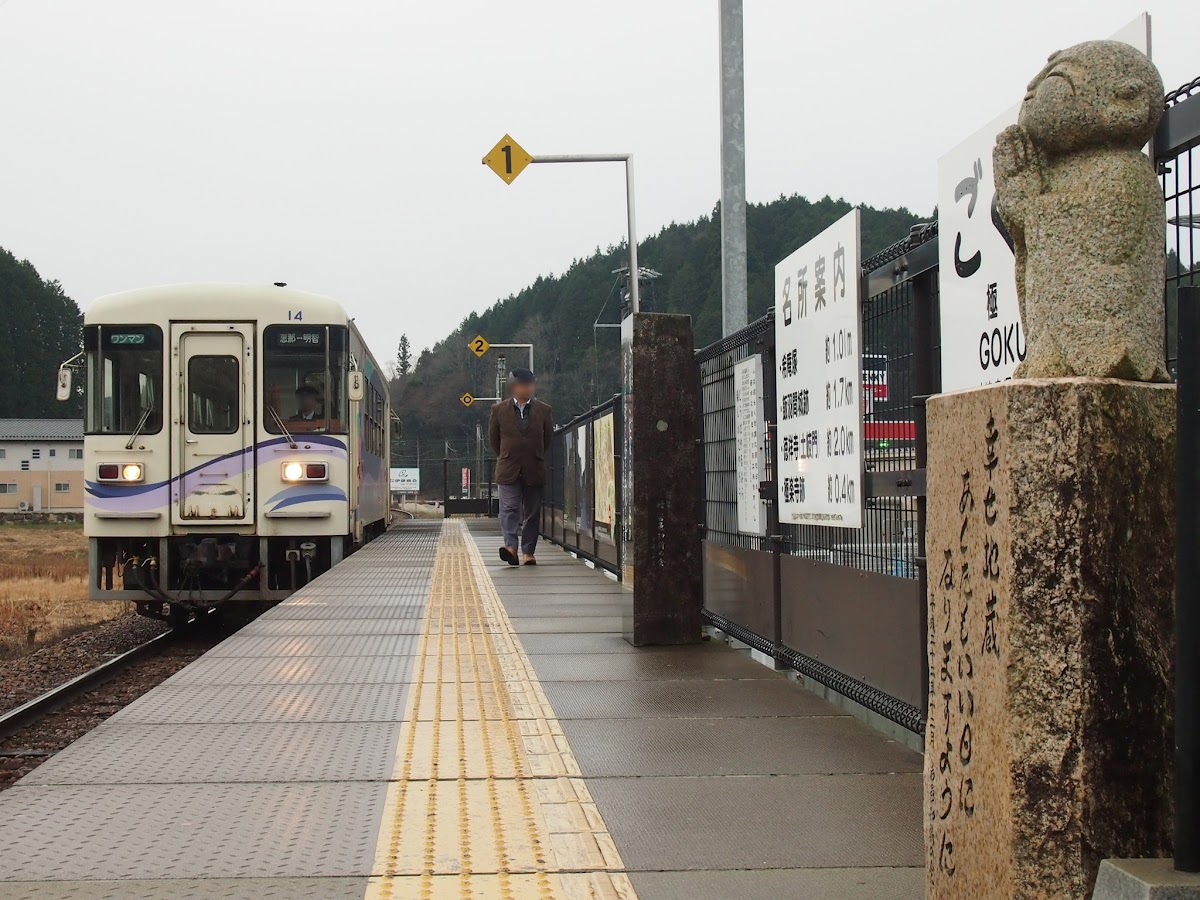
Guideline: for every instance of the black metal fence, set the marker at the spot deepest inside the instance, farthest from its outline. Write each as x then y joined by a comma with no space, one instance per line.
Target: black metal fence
1175,153
581,505
468,487
766,589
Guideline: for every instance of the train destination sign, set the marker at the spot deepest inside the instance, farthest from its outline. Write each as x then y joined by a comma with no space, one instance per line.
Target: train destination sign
818,333
507,159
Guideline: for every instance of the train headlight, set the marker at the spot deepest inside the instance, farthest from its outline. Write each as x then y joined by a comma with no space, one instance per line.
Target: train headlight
123,472
293,471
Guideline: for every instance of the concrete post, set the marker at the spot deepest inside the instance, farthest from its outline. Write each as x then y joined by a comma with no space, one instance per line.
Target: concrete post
661,556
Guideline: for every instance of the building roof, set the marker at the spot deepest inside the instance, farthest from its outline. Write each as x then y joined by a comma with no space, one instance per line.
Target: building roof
41,429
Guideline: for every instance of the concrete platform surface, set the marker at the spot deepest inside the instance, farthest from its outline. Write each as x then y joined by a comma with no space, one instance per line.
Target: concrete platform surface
426,721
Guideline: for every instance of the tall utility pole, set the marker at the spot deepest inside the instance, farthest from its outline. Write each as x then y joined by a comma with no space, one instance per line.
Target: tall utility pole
734,293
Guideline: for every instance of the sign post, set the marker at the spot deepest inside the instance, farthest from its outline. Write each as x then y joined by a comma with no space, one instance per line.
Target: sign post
818,339
508,160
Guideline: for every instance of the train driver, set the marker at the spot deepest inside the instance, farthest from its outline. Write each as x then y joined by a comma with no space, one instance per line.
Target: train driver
308,401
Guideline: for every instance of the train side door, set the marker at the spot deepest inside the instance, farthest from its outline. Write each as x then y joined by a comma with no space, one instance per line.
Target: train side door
213,414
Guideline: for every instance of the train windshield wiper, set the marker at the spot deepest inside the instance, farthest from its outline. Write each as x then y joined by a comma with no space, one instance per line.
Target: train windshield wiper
146,410
279,421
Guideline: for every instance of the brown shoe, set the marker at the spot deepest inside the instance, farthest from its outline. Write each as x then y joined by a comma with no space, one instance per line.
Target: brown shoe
509,555
530,561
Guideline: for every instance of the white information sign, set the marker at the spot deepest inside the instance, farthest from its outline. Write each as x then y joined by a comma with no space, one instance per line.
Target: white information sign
406,480
981,330
751,455
819,395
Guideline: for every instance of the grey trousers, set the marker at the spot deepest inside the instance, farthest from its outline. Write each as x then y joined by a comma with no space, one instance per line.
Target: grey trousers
520,513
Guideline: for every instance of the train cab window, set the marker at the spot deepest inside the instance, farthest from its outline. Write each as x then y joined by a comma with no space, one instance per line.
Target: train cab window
124,379
214,385
304,378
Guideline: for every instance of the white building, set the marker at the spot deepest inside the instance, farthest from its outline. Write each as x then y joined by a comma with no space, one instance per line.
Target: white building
41,465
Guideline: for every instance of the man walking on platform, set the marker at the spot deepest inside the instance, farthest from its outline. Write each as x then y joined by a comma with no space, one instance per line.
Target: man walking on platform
520,432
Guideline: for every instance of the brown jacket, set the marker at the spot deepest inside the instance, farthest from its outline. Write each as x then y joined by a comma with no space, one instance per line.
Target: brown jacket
521,454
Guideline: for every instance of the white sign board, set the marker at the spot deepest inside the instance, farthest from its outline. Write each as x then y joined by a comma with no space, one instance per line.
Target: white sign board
751,456
981,330
406,480
818,330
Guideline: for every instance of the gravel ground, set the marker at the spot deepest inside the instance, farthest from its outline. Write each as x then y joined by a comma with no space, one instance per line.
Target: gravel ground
24,677
26,750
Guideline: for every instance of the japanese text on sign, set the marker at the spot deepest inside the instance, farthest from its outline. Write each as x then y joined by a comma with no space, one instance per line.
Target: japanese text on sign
748,430
817,336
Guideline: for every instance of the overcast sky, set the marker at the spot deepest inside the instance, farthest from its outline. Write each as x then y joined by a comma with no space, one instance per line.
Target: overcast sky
336,145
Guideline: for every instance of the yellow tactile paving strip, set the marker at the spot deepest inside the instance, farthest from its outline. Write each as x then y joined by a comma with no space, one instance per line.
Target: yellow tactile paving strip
486,799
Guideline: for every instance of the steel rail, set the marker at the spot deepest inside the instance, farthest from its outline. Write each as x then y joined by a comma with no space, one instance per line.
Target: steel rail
31,711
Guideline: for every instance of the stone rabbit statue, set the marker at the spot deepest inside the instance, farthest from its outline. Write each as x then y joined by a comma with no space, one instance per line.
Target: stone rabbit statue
1086,214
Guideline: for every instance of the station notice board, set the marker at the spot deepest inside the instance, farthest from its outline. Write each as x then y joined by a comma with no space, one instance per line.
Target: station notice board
818,336
748,432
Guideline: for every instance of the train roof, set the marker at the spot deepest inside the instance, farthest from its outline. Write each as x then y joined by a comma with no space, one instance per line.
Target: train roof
208,301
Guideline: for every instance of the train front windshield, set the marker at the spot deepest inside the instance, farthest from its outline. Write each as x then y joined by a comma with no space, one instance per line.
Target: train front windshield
124,379
304,379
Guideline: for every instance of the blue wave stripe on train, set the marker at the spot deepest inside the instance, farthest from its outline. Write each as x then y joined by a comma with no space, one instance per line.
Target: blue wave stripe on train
129,497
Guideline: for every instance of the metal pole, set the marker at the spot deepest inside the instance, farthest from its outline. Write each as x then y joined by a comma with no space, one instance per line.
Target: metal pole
627,158
734,291
634,301
1187,587
478,459
924,292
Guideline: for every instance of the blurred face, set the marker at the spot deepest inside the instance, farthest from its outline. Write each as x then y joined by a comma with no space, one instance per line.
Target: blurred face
523,391
308,403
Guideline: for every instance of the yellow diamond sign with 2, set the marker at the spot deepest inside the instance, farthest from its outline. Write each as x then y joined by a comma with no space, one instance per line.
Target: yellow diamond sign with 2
479,345
466,399
507,159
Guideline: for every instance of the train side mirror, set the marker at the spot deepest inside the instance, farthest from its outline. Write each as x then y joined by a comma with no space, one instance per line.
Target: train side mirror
64,384
357,386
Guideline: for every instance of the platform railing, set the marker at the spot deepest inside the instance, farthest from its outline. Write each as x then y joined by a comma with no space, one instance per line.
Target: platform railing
581,505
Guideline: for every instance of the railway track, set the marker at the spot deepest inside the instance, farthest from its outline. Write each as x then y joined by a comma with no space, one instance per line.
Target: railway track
28,713
39,728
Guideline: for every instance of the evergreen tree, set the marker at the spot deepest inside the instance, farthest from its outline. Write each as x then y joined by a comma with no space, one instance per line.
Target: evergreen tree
403,357
43,329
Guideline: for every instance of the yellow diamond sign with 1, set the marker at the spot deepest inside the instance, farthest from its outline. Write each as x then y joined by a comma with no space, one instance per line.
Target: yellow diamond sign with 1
466,399
479,345
507,159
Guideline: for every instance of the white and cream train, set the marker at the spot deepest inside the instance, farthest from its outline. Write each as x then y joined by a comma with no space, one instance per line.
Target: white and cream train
236,443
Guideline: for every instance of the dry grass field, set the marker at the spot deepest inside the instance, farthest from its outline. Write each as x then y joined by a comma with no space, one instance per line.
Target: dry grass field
43,586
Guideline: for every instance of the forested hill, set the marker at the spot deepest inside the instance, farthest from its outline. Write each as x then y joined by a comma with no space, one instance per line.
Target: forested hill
576,365
42,328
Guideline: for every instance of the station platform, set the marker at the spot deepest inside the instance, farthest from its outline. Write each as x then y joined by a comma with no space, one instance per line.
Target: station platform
424,721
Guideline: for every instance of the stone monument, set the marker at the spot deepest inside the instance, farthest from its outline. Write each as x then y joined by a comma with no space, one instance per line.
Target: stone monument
1051,518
